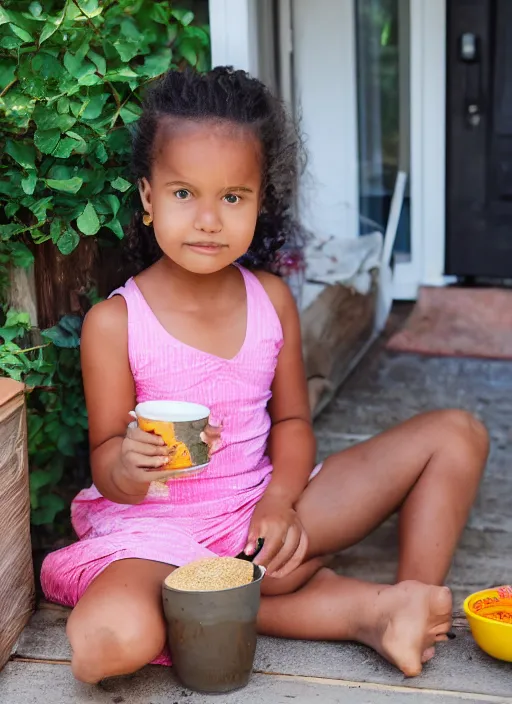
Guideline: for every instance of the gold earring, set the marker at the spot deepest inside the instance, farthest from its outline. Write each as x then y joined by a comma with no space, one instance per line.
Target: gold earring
147,219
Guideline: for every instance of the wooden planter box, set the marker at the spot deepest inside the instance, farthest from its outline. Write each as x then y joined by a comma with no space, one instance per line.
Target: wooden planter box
16,572
337,329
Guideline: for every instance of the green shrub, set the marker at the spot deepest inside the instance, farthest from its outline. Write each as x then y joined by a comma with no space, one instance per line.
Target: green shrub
72,75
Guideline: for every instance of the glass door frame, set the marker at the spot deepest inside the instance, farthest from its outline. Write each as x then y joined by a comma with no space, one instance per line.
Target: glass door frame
428,150
425,266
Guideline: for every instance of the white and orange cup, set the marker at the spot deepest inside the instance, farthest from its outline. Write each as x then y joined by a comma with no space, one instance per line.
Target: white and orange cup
181,426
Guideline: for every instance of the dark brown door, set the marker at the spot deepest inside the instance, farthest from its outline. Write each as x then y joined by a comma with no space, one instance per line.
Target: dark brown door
479,138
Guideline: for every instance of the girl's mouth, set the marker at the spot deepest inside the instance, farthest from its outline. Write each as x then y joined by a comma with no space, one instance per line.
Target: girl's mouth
205,247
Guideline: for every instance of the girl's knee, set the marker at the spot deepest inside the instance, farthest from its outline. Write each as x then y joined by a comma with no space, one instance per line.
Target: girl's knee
104,650
462,431
297,579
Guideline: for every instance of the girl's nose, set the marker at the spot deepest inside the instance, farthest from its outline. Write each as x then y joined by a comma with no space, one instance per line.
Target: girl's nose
207,218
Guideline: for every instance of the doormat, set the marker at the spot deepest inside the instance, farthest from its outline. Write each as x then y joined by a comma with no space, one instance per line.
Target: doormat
458,322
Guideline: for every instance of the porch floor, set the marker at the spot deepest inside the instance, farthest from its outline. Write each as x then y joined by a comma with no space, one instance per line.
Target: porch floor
385,389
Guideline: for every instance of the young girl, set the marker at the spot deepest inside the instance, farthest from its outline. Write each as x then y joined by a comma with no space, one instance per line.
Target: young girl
216,159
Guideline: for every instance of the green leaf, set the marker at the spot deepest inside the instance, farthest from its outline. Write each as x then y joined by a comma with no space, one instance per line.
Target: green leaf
101,153
68,241
95,106
65,443
38,236
46,140
116,228
69,185
5,16
77,108
7,73
114,203
63,105
82,50
21,255
120,184
156,64
64,148
118,142
46,118
73,143
49,506
22,152
129,29
60,171
98,61
72,324
10,43
31,81
81,147
17,317
197,34
130,112
78,67
21,33
35,9
52,24
35,379
122,75
56,230
40,207
29,183
11,208
160,13
90,8
17,108
127,49
72,63
88,222
188,51
50,69
35,423
66,333
89,79
7,231
39,478
183,16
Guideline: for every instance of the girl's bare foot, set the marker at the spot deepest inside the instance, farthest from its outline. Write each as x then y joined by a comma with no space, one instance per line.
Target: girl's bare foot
410,618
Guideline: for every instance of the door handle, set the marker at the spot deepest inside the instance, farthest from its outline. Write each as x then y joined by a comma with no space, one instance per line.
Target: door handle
470,54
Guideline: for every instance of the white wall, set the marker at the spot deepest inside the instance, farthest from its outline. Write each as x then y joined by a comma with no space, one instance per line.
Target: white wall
325,71
325,91
233,26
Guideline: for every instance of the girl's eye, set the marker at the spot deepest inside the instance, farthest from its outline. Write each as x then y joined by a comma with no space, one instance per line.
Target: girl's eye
182,194
231,198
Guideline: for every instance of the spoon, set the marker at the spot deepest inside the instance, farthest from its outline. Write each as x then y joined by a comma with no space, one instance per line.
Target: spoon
250,558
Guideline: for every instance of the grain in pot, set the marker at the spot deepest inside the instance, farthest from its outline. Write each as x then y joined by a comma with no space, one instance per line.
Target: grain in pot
211,574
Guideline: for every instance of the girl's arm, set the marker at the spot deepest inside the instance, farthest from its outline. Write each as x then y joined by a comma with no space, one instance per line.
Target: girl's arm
291,447
110,396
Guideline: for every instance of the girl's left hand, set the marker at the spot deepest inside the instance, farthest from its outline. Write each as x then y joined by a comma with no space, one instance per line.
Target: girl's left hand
285,540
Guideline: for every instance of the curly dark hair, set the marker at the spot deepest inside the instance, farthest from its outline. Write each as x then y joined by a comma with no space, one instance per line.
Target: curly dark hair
233,96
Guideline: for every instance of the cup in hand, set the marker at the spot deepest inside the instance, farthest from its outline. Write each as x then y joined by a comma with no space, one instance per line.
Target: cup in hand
180,425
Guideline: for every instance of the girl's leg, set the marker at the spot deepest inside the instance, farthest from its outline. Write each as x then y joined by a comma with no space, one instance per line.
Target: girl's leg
118,626
429,469
401,622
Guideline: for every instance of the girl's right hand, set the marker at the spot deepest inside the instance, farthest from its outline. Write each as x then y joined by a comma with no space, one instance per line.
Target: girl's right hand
143,455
